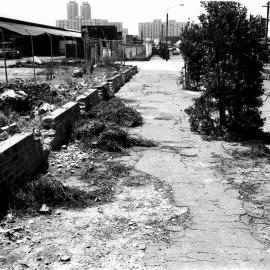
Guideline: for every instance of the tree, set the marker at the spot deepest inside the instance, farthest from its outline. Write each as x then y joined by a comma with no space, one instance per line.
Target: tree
192,49
230,54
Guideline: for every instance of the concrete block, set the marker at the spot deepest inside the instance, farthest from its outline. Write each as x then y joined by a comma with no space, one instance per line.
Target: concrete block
104,90
62,120
89,99
115,82
21,155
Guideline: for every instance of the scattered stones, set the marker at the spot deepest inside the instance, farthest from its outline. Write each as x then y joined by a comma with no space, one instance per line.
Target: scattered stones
65,258
46,107
4,136
44,209
13,95
77,73
11,129
70,159
141,247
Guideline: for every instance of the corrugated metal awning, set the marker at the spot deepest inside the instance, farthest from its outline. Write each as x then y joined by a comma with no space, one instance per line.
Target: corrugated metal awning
26,30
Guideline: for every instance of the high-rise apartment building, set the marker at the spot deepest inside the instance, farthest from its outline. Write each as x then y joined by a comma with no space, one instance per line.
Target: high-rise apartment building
74,21
72,10
76,24
157,29
85,11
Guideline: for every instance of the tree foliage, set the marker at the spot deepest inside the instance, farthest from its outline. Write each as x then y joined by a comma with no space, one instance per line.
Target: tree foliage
225,54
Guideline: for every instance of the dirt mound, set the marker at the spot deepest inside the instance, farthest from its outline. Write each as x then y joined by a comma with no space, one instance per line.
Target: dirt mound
117,112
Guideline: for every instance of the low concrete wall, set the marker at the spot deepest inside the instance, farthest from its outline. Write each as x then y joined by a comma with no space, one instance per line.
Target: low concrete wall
115,82
104,91
20,156
61,120
127,75
266,76
89,99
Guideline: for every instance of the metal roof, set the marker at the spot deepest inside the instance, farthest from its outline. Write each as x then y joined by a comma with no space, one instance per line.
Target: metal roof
24,29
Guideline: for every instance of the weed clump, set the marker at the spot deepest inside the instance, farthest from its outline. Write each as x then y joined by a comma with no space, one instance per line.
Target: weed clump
255,151
117,112
3,120
106,136
43,190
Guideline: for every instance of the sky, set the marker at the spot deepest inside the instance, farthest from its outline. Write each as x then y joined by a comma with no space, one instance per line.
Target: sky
130,12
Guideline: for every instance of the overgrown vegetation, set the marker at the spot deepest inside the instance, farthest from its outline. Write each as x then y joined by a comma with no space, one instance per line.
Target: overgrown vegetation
106,136
104,127
43,190
117,112
253,152
3,120
225,55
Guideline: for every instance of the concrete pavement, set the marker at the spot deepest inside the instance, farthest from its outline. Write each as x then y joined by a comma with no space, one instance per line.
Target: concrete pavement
217,238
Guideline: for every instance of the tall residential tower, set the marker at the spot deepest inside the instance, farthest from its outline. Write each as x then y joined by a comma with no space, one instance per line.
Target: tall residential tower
85,11
72,10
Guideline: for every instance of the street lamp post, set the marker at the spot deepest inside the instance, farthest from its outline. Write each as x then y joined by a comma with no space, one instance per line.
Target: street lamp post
167,27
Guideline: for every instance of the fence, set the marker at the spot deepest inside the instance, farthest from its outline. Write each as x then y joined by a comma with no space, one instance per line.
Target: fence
41,56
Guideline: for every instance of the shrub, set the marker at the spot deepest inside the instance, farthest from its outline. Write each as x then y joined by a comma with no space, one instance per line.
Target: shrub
226,55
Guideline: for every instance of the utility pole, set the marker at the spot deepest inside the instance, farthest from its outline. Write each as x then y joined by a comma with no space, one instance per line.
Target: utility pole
166,48
267,21
162,34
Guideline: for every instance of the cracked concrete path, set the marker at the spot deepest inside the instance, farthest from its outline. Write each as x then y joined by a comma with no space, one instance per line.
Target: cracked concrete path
216,239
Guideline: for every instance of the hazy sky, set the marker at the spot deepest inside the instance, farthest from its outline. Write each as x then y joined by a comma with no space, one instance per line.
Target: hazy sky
127,11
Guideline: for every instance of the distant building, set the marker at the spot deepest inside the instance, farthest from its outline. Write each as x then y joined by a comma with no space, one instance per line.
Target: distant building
85,11
69,24
72,10
118,25
75,22
157,29
108,32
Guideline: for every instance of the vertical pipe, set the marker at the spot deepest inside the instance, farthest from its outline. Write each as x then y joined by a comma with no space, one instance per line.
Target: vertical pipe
166,48
162,29
51,55
76,48
121,44
267,22
124,54
33,55
4,48
85,54
65,50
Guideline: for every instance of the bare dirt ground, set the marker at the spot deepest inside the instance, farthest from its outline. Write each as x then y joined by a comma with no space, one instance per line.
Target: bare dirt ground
185,204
